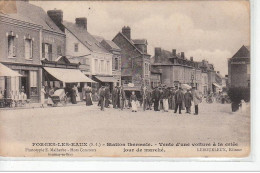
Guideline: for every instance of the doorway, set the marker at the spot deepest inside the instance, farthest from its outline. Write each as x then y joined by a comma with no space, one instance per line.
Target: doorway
25,83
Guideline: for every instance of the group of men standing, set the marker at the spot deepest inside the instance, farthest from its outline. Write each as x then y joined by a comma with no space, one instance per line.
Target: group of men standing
175,99
162,98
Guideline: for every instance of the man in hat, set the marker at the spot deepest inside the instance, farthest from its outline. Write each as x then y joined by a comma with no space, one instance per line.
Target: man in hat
179,97
156,98
102,94
166,94
196,99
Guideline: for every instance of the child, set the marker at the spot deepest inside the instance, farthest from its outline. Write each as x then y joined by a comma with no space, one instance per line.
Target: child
133,100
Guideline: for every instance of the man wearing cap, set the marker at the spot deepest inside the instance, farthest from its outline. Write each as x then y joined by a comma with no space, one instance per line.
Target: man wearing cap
179,97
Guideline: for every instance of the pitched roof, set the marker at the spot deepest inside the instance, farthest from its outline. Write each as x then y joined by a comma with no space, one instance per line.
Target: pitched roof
165,57
243,52
85,37
33,14
140,41
132,43
112,44
98,38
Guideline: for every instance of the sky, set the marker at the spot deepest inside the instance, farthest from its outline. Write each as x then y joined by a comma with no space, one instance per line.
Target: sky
210,30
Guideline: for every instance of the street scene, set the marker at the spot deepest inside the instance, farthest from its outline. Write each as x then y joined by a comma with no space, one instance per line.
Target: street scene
175,77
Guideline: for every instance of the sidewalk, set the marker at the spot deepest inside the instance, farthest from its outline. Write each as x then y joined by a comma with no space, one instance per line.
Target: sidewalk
38,105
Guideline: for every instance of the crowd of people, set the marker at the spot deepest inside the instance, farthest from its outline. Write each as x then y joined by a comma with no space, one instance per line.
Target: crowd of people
160,98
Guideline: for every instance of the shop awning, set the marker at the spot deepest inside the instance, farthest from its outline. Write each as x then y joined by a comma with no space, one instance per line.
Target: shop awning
186,86
68,75
217,85
106,78
5,71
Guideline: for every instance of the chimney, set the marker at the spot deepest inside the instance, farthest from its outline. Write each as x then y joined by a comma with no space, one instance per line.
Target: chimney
57,17
173,52
191,58
182,55
82,22
157,54
126,30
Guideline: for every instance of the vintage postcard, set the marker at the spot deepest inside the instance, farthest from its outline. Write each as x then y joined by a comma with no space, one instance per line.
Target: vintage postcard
167,79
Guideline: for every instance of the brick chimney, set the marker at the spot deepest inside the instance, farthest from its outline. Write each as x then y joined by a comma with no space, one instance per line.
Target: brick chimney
57,17
173,52
126,30
182,55
157,55
82,22
191,58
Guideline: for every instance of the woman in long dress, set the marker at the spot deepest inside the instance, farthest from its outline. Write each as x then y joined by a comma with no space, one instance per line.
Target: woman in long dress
88,96
51,92
133,100
74,95
42,96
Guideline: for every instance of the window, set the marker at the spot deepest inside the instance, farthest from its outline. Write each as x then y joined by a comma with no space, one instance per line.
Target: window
59,51
102,66
11,46
116,64
28,48
76,47
33,83
47,51
108,67
96,65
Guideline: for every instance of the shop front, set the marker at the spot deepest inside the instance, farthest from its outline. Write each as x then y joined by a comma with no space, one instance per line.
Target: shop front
105,81
28,81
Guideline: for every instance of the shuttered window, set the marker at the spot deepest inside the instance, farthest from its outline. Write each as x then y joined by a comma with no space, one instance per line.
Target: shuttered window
28,48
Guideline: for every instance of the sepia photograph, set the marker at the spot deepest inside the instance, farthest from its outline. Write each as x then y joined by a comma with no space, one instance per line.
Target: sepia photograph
120,79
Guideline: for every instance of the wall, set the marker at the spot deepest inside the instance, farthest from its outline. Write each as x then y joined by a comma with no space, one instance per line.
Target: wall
130,57
55,40
239,77
20,32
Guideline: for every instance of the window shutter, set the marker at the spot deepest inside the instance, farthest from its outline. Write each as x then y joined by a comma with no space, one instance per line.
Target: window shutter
43,50
14,46
50,52
31,51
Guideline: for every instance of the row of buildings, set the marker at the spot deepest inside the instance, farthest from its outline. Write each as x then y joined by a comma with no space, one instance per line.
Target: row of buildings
48,51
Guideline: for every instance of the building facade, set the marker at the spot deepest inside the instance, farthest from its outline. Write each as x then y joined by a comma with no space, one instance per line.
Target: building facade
239,68
177,69
29,36
82,47
116,59
135,61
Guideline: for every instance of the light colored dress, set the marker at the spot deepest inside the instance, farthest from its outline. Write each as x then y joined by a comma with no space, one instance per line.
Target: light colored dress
42,96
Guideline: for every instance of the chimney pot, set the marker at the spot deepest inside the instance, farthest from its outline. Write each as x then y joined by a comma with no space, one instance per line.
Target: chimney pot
191,58
81,22
57,17
126,30
157,54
